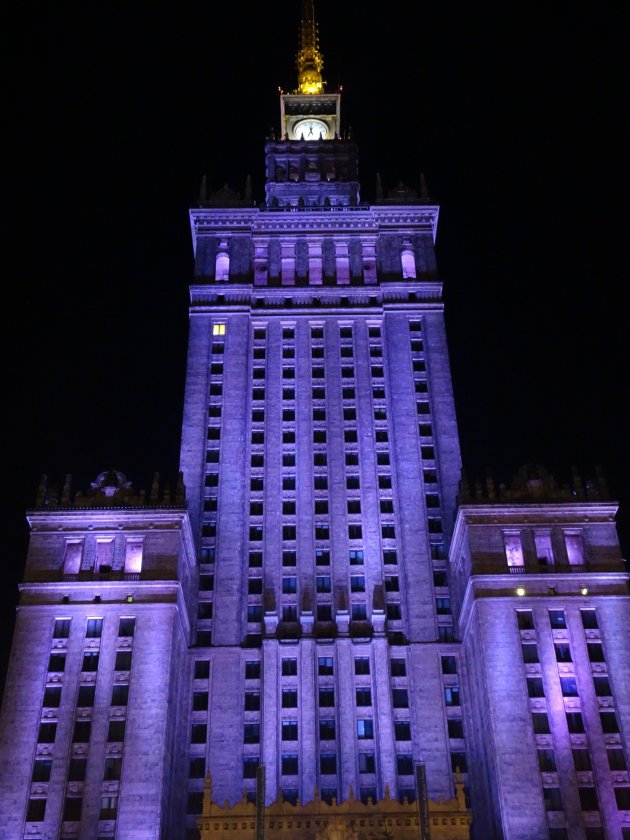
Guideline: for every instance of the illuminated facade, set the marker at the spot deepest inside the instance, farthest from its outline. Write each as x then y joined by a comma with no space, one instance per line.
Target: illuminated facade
325,600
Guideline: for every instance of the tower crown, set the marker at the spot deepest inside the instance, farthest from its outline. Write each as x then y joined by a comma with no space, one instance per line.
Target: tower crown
309,59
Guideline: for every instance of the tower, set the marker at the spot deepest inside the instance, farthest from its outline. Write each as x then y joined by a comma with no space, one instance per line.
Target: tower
326,601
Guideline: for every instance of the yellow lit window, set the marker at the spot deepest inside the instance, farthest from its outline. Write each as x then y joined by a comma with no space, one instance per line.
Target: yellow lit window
218,329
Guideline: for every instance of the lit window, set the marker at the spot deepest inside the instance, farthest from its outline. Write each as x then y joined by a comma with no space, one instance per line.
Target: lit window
365,729
72,561
218,329
513,549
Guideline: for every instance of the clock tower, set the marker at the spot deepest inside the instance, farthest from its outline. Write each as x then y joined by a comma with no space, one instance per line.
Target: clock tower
312,164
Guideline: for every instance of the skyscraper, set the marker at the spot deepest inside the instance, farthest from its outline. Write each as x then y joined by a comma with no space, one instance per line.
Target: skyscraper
292,605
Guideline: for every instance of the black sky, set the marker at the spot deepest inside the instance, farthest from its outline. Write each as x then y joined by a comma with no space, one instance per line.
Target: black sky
514,114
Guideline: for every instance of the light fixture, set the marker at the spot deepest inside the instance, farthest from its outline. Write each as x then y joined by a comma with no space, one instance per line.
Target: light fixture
520,591
129,599
583,590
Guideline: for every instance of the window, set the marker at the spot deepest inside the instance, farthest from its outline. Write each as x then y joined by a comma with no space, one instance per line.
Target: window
250,765
120,695
76,769
622,795
41,770
289,558
391,583
289,730
56,662
90,661
254,586
459,762
540,723
199,701
355,532
354,506
196,767
289,667
325,666
62,628
367,763
451,695
557,619
616,759
563,652
324,612
455,728
289,765
553,799
363,697
575,723
359,612
530,652
123,660
390,557
589,619
535,687
252,670
328,763
400,698
289,585
36,810
394,612
398,668
322,531
367,794
361,665
323,583
52,697
357,583
609,722
544,551
72,557
198,733
133,556
595,652
442,606
321,506
251,733
365,728
588,799
569,686
322,557
219,329
252,701
355,556
581,759
109,808
113,769
289,698
404,765
525,620
574,547
327,730
513,549
116,730
126,626
402,730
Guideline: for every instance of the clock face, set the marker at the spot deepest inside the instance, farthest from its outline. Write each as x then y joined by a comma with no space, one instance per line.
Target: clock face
310,129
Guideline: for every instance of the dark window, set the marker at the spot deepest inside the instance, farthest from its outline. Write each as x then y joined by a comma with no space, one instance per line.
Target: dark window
451,695
553,799
459,763
557,619
602,686
202,669
77,769
62,628
289,765
252,670
328,763
363,697
588,799
327,730
326,697
616,759
535,687
200,701
116,730
72,808
56,662
251,733
361,665
196,768
82,732
52,697
581,759
609,722
289,698
252,701
250,765
400,698
120,695
36,810
540,723
402,730
455,728
94,628
322,557
289,730
530,652
622,795
254,586
126,626
198,733
404,765
41,770
113,769
289,667
589,619
325,666
47,733
595,652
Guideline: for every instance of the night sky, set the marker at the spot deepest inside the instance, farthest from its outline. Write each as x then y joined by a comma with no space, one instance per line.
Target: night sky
515,117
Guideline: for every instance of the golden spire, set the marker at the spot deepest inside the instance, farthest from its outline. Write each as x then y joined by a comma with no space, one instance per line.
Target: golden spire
309,59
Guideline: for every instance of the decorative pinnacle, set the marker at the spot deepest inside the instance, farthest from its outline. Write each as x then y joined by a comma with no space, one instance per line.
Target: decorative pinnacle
309,59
